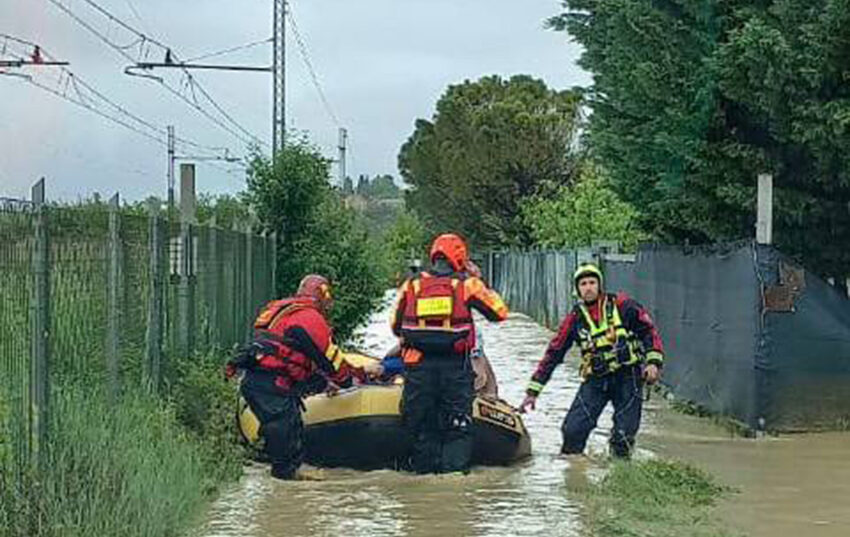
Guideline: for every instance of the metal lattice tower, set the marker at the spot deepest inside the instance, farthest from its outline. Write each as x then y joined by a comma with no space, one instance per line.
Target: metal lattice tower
278,85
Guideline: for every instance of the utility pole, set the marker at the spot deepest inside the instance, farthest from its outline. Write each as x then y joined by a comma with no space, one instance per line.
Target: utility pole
278,76
343,139
170,171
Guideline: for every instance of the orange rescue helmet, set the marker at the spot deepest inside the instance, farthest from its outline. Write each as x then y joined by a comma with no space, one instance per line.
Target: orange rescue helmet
453,248
318,288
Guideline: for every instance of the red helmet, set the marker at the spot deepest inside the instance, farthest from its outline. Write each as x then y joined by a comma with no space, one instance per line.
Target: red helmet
318,288
452,248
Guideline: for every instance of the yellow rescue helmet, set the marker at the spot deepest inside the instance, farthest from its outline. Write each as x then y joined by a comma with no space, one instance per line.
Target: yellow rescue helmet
587,269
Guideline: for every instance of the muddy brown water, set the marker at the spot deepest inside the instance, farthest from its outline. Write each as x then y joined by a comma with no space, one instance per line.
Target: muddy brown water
789,486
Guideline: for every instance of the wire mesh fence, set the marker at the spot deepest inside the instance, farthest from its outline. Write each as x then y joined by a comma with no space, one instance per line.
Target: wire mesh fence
112,299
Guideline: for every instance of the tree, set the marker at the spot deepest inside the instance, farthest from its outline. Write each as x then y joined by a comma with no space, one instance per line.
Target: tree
692,100
362,185
581,214
292,196
406,240
383,187
225,209
490,144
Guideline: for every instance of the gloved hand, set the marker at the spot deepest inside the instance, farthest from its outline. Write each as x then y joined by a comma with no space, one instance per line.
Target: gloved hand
651,374
529,403
229,370
373,369
332,388
246,357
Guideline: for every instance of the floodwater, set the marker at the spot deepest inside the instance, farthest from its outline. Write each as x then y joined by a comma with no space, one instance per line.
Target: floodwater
787,486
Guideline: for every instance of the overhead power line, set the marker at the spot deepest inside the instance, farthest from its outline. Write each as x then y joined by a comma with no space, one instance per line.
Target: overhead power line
191,88
229,50
305,56
70,87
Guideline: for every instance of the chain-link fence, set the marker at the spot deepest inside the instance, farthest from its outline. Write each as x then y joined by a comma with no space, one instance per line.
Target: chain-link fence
110,299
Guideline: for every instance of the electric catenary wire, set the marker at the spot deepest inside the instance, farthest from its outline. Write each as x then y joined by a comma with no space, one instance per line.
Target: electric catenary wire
74,89
143,45
305,56
230,50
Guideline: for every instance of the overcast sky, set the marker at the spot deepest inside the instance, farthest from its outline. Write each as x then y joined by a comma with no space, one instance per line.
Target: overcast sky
382,64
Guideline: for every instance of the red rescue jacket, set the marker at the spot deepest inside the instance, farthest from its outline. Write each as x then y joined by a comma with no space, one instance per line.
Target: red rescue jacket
302,340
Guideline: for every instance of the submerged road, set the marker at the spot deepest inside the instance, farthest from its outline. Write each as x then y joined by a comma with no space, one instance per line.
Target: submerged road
788,486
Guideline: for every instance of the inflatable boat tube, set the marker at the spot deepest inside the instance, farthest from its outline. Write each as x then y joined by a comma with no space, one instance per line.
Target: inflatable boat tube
361,428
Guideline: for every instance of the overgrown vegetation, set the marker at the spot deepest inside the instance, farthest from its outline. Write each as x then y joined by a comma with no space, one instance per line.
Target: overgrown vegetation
582,214
406,240
317,233
692,100
490,145
653,498
142,466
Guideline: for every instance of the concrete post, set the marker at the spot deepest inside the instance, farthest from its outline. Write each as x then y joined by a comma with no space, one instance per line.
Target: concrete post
186,285
764,213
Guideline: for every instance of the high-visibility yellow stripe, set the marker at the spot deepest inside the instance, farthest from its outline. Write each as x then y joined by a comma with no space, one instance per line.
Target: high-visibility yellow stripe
535,386
654,356
334,355
439,306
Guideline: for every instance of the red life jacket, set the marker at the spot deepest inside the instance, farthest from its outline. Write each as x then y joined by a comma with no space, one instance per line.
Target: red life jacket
436,318
291,365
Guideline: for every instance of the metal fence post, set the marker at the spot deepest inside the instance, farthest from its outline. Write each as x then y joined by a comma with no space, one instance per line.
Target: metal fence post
113,284
249,282
40,308
273,289
213,282
155,309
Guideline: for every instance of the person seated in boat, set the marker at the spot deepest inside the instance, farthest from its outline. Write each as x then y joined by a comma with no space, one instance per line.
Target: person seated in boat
391,366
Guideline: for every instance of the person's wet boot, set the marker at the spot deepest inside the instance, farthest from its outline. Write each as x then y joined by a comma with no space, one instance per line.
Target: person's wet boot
283,471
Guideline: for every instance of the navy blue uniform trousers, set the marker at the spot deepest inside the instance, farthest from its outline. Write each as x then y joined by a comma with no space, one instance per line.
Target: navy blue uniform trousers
624,389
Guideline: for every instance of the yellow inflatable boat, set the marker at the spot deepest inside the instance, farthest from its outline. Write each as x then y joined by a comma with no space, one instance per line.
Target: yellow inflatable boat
361,428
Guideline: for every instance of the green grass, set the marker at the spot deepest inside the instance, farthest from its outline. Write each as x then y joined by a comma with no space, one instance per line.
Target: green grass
653,498
145,467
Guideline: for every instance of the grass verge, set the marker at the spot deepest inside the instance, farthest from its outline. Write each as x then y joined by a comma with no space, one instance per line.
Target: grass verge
143,467
653,498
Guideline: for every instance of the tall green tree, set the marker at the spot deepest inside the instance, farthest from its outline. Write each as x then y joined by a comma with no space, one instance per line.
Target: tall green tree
292,196
490,144
579,215
691,100
405,241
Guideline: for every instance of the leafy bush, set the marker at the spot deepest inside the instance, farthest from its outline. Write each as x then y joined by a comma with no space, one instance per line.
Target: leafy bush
407,239
316,232
583,213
